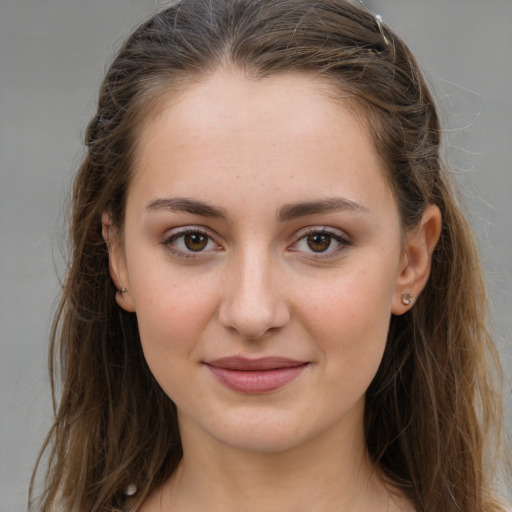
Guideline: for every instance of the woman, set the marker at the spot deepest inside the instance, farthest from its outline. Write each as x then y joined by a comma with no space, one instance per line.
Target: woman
274,302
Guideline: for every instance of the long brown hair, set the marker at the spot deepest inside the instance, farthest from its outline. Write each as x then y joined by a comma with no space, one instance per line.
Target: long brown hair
433,406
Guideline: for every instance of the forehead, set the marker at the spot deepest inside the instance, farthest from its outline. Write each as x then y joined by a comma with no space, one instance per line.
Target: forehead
286,130
229,99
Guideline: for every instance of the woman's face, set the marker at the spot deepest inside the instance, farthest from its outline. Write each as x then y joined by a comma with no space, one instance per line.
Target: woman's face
263,256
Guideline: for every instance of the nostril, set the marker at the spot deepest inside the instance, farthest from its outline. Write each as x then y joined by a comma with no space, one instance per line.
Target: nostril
253,321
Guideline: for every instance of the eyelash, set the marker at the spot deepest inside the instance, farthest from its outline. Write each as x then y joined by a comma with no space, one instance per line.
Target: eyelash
343,241
168,243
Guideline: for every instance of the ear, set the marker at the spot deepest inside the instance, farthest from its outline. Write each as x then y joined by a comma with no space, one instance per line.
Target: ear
117,264
417,260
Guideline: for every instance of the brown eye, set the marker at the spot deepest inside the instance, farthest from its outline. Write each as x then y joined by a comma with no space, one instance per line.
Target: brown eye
191,243
195,241
319,242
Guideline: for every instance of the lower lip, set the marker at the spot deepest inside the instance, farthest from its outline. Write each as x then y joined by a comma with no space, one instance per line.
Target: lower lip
257,381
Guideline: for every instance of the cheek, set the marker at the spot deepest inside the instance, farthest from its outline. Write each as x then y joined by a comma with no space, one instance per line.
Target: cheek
172,311
171,328
172,318
349,320
354,299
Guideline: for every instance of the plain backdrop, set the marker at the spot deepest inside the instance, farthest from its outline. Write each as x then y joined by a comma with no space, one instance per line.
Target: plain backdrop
53,54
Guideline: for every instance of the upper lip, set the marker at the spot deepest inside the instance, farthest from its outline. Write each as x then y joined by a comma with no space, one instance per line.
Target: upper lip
246,364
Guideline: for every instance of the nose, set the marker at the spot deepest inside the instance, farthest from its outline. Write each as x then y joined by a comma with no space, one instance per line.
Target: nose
253,302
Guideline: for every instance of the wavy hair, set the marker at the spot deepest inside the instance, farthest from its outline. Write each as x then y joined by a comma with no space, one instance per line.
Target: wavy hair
433,409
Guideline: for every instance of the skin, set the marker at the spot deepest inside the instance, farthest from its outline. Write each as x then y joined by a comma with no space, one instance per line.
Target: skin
259,287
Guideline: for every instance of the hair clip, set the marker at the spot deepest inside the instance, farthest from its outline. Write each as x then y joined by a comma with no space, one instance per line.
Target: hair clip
378,19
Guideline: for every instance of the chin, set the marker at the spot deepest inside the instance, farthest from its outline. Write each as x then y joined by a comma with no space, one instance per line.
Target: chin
262,441
271,430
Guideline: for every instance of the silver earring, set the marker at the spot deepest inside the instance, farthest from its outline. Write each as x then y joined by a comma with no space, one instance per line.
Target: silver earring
407,299
123,290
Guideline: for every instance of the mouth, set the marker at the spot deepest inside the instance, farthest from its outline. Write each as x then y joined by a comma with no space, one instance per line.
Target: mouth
256,375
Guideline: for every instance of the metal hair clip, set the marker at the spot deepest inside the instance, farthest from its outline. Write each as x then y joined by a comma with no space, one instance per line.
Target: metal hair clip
378,19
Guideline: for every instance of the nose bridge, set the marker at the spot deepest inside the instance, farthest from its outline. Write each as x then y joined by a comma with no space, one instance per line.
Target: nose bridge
255,279
253,302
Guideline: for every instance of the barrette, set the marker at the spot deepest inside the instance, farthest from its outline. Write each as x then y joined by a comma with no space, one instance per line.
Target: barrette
379,20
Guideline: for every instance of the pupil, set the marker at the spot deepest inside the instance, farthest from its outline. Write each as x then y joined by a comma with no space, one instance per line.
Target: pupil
195,242
319,243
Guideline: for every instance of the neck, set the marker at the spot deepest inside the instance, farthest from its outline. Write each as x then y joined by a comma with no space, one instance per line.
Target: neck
330,472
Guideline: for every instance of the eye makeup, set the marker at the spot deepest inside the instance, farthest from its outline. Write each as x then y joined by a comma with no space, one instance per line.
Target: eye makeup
314,243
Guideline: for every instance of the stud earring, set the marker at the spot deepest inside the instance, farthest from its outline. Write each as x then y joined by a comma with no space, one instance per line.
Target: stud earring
407,299
123,290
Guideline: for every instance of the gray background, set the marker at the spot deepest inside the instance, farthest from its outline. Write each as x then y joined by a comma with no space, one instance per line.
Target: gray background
52,58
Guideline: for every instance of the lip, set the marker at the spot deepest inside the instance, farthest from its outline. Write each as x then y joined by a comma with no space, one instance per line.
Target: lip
256,375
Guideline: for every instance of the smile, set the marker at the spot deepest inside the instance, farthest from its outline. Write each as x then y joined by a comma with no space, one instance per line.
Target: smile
256,375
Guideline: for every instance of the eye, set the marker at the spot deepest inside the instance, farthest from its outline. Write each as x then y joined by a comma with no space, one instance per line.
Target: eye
189,242
321,242
195,241
318,242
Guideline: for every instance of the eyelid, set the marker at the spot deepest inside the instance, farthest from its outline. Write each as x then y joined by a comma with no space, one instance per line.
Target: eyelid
176,233
342,238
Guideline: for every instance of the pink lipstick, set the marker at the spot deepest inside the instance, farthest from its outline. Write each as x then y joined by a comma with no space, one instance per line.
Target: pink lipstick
255,375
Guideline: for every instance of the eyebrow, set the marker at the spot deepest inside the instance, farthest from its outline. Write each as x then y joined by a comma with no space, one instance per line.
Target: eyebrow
295,210
186,205
287,212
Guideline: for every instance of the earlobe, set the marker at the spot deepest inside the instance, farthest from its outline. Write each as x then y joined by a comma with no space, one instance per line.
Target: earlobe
124,300
417,260
117,264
